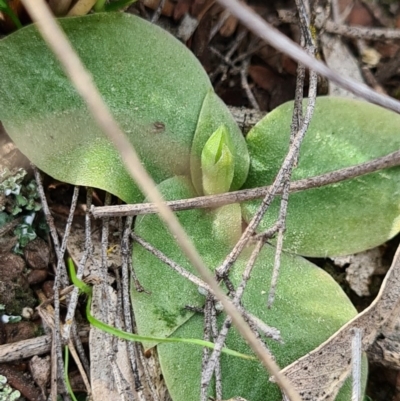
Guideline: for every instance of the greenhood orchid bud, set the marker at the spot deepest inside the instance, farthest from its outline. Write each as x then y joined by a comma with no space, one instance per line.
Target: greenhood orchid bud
217,164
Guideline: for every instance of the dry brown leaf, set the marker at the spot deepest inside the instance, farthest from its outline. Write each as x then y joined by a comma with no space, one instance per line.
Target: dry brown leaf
167,10
264,77
360,15
200,7
361,267
229,26
181,8
319,375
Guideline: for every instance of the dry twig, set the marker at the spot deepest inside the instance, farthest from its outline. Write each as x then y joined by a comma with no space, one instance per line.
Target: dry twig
360,32
211,201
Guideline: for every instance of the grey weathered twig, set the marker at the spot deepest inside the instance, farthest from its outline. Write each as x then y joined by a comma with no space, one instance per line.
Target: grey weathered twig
298,123
356,361
209,367
61,279
211,201
73,301
169,262
245,84
360,32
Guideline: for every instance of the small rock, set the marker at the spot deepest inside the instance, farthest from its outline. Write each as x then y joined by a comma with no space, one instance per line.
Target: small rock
19,331
7,243
48,288
37,254
37,276
11,267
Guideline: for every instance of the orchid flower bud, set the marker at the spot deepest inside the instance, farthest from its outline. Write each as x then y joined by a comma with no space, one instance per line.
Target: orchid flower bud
217,164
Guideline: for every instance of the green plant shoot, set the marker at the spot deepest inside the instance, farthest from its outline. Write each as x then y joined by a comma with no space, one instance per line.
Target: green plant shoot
66,377
86,289
217,163
5,8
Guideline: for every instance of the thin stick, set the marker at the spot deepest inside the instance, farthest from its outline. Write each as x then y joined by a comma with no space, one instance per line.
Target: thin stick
217,369
268,234
125,256
81,369
253,49
158,11
262,327
278,250
206,352
169,262
212,201
79,347
103,273
227,58
360,32
219,343
61,278
221,21
61,271
298,123
277,39
73,300
245,84
283,174
50,223
356,357
34,346
148,378
58,285
238,40
111,342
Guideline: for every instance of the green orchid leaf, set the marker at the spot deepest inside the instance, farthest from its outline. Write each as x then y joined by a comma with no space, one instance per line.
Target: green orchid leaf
338,219
152,83
213,114
161,309
217,163
118,5
309,307
226,224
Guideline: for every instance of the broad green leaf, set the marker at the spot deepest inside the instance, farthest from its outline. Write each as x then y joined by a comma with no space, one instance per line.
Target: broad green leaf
161,309
309,307
213,114
152,83
343,218
217,163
